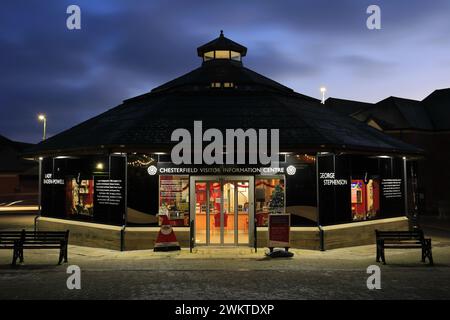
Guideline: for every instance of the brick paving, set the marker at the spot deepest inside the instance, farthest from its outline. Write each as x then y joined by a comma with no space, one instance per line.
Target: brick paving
234,273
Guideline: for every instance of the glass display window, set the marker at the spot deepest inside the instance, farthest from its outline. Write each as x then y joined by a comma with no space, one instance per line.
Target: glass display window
269,198
174,199
79,197
365,199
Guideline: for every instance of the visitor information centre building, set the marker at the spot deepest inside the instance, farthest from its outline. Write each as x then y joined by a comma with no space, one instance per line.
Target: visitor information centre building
109,179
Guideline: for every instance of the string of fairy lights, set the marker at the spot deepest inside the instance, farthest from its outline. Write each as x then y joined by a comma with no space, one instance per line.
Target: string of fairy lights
306,158
141,161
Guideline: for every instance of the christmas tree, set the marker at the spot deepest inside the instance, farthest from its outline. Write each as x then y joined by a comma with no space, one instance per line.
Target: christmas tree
276,204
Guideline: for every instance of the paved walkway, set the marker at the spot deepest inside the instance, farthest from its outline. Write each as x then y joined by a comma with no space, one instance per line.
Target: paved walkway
225,273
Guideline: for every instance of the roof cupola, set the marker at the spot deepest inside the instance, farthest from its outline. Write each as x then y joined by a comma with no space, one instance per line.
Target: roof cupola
222,48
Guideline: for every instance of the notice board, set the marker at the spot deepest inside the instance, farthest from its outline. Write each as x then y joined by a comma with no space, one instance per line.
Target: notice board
279,229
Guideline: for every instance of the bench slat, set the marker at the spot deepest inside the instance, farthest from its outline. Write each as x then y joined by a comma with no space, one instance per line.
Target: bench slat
50,238
41,247
44,235
399,236
403,242
402,247
44,242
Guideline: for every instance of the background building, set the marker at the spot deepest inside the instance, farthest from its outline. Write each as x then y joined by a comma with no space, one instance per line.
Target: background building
18,177
425,124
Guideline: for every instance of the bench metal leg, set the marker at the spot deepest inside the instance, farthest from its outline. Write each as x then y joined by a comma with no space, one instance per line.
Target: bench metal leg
65,254
13,262
15,256
61,255
430,258
380,252
21,255
426,251
383,258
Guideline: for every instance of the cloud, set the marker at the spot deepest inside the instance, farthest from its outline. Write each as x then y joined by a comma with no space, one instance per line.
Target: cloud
364,66
126,48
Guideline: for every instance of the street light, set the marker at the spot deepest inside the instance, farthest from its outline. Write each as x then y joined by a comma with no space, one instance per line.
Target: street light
42,117
323,90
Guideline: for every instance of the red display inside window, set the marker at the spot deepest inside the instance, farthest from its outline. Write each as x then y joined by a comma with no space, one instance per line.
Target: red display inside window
173,199
365,199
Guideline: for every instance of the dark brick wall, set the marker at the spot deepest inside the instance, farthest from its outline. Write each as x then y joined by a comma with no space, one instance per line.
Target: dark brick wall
433,169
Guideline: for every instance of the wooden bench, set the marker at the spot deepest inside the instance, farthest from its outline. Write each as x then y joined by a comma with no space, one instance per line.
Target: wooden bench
20,240
403,240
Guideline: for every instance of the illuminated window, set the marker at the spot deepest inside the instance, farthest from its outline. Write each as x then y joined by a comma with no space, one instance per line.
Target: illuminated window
222,54
222,85
236,56
208,56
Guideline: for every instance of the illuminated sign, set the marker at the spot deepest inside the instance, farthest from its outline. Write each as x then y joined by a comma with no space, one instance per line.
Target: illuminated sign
48,179
329,179
161,169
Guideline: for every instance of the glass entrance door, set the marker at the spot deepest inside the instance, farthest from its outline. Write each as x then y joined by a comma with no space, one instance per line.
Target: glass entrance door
207,212
223,207
236,212
215,199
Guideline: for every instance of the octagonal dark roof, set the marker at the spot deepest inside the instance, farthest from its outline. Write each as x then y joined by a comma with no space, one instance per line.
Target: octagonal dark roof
249,101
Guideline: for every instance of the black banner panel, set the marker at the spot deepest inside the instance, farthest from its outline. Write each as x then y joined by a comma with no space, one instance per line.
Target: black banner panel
89,188
109,199
392,187
334,189
301,190
358,188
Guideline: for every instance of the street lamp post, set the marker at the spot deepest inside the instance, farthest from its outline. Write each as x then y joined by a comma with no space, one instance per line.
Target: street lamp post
40,194
42,118
323,90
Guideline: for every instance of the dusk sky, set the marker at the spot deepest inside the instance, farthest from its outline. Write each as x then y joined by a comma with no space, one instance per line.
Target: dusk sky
125,48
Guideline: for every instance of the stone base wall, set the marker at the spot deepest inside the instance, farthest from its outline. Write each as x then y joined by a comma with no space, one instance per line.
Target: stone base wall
84,233
360,233
140,238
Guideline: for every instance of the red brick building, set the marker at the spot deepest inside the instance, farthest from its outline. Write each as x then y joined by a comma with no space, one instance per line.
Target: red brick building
18,177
